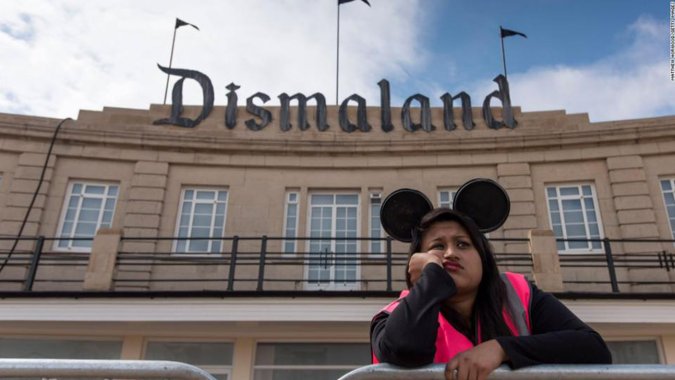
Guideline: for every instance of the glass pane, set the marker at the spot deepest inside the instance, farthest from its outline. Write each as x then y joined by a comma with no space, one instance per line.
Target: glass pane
70,214
199,245
89,216
92,203
313,354
445,197
202,221
59,349
112,191
67,229
571,204
576,231
206,195
586,190
94,189
292,210
202,353
292,197
109,204
322,199
551,192
220,219
635,352
77,188
204,208
85,229
107,217
671,211
199,232
593,230
578,244
670,199
74,200
566,191
666,185
296,374
189,194
222,196
590,216
347,199
553,205
573,217
589,204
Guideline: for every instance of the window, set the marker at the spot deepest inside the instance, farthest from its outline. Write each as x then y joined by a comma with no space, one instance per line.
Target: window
202,215
291,222
634,352
35,348
668,188
332,255
573,215
293,361
376,246
213,357
445,197
88,207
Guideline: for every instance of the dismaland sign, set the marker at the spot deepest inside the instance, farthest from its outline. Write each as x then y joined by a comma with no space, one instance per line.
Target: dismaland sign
263,117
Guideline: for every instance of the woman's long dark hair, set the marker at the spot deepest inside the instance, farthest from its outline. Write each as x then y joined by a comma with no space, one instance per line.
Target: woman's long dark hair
491,295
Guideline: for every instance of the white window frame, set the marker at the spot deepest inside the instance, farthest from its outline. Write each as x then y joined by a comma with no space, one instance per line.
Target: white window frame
375,197
215,202
213,369
669,218
657,340
299,366
64,210
356,284
596,205
294,242
451,195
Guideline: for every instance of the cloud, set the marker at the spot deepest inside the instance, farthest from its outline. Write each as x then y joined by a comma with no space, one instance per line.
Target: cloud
64,55
632,83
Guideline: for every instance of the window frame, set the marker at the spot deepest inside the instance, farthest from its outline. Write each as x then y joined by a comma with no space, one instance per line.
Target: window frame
332,284
452,191
64,212
598,216
294,242
213,369
375,195
670,219
174,247
255,366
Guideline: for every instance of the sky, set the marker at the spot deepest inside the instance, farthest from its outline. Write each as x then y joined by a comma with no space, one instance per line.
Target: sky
607,58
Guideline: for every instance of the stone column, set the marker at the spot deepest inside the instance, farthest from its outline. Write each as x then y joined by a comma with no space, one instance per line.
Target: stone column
517,181
101,266
21,189
635,216
545,260
142,219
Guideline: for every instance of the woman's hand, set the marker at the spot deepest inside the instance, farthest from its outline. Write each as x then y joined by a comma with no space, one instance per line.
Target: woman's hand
476,363
419,260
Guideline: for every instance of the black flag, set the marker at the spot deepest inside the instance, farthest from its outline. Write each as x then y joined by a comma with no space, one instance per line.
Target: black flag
180,23
340,2
509,33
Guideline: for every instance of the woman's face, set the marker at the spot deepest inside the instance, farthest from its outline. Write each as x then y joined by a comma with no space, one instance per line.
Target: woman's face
460,257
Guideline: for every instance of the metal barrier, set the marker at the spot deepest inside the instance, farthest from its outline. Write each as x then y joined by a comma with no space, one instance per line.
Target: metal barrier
540,372
119,369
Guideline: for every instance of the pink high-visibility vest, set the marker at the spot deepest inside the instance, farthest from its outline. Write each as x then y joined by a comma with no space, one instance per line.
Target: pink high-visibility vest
450,342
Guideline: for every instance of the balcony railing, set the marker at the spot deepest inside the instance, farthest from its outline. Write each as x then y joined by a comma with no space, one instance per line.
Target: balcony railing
257,265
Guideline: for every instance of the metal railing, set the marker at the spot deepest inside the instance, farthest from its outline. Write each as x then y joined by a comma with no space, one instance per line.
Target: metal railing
107,369
259,264
540,372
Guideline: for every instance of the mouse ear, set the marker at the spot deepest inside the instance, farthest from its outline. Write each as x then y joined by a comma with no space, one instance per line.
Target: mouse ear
484,201
402,211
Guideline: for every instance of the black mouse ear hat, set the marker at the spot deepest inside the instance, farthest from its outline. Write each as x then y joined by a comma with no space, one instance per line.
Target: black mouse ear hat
481,199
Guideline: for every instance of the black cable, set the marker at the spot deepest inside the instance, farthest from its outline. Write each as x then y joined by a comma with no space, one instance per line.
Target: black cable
35,194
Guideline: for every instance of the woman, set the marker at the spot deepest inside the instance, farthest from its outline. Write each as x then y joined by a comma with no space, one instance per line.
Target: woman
460,311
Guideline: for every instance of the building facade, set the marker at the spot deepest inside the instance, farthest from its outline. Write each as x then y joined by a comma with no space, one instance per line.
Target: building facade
257,253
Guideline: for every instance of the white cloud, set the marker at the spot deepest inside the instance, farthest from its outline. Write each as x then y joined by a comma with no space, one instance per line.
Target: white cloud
64,55
632,83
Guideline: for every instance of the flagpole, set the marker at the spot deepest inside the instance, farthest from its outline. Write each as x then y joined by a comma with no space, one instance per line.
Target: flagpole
503,55
166,89
337,69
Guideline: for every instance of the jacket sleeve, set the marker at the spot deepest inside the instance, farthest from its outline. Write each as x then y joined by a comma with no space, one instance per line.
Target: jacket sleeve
558,337
407,336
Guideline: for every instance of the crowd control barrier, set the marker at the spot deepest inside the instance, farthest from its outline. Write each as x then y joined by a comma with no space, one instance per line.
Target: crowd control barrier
540,372
109,369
